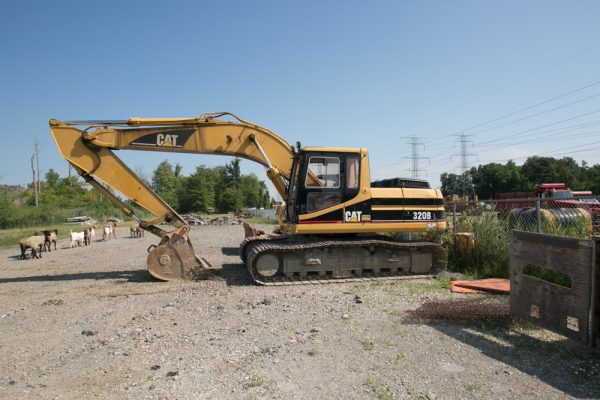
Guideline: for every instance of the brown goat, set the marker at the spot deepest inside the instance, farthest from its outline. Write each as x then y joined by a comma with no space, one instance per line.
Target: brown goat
50,236
114,229
87,236
135,231
34,243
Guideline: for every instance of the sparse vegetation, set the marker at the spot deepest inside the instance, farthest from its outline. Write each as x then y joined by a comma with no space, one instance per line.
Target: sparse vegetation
256,381
471,387
399,359
398,330
380,392
368,344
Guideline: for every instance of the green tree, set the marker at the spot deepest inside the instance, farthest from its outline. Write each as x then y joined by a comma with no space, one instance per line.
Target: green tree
254,192
198,191
165,183
230,200
550,170
593,179
7,207
233,173
492,178
52,178
457,184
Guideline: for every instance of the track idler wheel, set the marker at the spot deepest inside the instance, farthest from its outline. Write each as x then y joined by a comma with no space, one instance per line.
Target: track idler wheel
175,259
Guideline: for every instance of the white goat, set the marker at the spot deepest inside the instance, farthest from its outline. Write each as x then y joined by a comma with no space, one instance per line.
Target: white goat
77,237
107,232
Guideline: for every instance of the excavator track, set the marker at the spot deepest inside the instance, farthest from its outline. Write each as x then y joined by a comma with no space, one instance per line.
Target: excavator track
293,260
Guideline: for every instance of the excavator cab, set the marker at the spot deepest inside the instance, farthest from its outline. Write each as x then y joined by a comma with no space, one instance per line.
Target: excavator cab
322,180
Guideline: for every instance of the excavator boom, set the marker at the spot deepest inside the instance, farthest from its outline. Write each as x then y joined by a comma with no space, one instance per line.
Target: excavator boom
91,152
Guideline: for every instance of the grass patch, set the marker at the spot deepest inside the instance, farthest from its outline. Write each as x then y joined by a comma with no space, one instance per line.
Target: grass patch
256,381
10,237
380,392
399,359
367,344
424,285
395,313
397,328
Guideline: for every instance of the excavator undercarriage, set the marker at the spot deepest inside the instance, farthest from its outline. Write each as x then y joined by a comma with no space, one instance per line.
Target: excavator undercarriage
295,260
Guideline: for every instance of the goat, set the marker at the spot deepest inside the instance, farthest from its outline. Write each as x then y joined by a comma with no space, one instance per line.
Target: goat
34,243
77,237
107,232
114,229
93,233
87,236
50,237
135,231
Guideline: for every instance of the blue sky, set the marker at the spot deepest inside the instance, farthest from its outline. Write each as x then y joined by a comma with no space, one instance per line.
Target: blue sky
327,73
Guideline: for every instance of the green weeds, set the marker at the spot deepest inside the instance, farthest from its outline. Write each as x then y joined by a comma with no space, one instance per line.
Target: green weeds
380,392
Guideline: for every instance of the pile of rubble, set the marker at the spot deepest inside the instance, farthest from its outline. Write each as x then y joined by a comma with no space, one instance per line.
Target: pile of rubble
195,220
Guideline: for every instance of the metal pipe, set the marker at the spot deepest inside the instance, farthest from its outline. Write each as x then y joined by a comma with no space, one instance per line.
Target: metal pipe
96,122
262,153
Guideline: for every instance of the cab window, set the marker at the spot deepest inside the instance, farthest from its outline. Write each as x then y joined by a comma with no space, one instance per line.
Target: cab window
323,172
352,176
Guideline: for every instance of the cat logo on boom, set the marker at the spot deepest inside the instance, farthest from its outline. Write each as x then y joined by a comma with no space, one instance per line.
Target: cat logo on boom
175,138
168,140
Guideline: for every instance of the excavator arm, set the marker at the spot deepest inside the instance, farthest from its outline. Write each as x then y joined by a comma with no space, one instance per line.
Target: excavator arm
91,151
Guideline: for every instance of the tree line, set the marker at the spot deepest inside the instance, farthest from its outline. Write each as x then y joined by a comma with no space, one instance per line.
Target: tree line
221,189
488,179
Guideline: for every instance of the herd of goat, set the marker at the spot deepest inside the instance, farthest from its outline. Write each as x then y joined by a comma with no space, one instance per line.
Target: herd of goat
43,240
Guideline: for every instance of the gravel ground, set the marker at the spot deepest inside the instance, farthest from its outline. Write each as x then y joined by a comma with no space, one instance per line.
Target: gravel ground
91,322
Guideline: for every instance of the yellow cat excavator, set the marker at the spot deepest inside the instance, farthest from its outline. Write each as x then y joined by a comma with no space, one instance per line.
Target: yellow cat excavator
332,223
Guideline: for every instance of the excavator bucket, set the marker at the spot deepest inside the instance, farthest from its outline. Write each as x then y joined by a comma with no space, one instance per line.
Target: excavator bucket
250,231
174,259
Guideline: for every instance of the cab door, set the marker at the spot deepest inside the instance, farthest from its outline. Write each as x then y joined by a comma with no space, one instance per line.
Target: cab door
327,179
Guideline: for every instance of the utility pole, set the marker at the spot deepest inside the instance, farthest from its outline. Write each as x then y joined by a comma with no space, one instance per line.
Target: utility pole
414,143
35,169
37,165
463,140
70,181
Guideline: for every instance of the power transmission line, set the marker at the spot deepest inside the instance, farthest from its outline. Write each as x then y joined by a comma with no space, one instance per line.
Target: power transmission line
542,126
510,114
415,157
537,114
463,140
